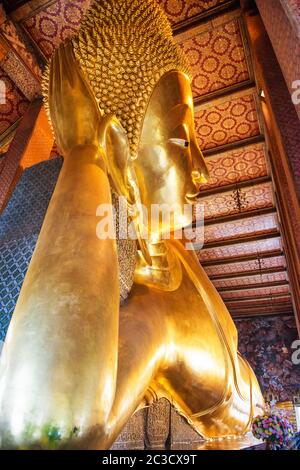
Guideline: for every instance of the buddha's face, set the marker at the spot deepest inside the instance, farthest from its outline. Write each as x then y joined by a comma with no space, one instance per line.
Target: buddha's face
170,164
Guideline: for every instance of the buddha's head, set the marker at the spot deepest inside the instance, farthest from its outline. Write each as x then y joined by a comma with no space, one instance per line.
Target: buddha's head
169,164
137,72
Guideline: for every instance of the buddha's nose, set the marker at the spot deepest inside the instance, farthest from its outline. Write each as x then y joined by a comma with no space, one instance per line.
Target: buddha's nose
193,191
199,177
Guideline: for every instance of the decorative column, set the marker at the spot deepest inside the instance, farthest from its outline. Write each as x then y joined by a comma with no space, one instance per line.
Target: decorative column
281,19
283,138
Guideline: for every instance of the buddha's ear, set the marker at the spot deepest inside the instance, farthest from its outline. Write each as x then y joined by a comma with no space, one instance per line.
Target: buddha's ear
114,140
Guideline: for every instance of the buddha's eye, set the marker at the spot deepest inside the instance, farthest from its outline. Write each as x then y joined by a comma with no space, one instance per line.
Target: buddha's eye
180,142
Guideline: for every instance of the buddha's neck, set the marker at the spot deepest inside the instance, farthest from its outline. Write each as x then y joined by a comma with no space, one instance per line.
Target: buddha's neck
165,272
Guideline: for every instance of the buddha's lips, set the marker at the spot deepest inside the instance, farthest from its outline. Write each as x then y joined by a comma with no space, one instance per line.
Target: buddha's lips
191,198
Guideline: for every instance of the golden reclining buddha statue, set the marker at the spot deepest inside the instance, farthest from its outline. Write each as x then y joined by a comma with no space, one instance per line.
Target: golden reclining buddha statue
77,362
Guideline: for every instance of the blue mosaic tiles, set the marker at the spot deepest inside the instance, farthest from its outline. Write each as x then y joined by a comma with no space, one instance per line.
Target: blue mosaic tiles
20,225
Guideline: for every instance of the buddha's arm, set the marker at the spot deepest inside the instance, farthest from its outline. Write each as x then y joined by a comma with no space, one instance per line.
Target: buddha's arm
58,366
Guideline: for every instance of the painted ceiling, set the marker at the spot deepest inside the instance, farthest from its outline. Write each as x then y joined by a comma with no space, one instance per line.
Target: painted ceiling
243,251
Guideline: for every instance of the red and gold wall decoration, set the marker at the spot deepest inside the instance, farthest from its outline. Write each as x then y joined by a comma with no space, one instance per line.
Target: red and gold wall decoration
15,103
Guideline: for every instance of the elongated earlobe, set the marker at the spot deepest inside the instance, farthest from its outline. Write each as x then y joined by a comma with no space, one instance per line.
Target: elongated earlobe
120,170
115,143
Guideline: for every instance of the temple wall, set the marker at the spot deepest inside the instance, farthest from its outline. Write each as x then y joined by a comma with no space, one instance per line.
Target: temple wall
267,345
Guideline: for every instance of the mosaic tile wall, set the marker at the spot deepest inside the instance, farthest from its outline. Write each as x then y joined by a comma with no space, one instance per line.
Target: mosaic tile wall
20,225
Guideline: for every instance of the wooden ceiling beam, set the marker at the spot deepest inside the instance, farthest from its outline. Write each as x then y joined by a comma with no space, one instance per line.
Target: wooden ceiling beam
275,306
215,98
235,186
205,17
233,146
251,298
262,298
241,259
239,216
242,274
238,316
250,314
239,240
261,285
285,308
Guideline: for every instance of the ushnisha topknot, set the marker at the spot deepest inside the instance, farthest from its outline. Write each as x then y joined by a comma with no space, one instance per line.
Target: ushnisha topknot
124,47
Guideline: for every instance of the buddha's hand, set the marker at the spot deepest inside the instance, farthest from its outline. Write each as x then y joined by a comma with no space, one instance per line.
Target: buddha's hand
73,109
